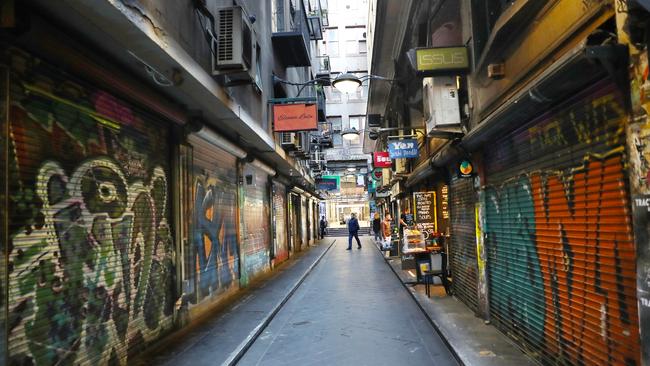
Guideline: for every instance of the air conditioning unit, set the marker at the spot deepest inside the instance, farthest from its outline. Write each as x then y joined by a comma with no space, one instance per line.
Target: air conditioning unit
440,99
234,46
288,140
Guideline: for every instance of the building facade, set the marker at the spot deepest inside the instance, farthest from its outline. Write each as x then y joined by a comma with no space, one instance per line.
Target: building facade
141,169
344,49
546,235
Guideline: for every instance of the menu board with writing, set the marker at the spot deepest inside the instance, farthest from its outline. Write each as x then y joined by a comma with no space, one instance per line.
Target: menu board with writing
425,206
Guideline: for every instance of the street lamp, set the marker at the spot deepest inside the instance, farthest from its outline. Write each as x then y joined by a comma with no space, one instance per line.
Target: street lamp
350,134
348,82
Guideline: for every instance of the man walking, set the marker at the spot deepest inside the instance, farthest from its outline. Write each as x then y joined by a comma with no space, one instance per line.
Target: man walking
353,229
323,226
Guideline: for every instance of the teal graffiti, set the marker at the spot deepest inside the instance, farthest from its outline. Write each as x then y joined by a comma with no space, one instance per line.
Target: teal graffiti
510,230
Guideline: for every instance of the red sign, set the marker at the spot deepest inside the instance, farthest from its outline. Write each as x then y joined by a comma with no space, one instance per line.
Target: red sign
294,117
381,159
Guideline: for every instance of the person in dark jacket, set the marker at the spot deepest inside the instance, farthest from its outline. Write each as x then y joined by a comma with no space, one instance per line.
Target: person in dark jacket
353,229
376,227
323,227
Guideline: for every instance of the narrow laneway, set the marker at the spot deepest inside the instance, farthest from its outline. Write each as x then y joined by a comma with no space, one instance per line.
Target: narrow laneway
351,310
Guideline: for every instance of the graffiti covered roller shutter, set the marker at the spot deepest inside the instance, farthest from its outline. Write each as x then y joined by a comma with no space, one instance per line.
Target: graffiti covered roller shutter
213,258
91,253
281,244
257,235
559,239
463,242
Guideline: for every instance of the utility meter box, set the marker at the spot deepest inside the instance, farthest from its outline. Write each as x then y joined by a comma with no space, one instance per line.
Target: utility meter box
441,106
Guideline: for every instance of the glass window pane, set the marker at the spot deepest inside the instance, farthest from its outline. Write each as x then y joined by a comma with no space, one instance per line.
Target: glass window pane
363,48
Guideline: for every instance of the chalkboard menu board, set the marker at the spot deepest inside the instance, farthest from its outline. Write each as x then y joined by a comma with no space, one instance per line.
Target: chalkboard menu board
425,207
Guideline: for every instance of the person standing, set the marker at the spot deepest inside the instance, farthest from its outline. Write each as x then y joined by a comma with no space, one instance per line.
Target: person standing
376,227
405,220
386,232
323,226
353,230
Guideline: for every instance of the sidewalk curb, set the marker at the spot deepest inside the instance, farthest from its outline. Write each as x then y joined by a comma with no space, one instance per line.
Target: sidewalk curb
426,315
239,352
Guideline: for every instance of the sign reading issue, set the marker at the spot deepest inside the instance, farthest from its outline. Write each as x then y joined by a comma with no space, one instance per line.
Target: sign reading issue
440,59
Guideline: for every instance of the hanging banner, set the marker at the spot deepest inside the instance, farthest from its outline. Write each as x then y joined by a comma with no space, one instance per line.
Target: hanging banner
381,159
403,149
376,174
294,117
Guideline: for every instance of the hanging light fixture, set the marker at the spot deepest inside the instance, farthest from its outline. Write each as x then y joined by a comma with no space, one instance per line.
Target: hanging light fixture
346,83
350,134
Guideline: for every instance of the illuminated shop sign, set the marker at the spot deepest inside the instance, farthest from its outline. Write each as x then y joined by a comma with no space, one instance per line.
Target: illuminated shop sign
441,59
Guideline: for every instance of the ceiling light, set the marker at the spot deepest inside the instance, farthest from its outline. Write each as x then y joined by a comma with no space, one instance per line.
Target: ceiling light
351,169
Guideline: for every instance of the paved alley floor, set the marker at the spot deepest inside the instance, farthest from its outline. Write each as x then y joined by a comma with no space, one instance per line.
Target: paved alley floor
350,310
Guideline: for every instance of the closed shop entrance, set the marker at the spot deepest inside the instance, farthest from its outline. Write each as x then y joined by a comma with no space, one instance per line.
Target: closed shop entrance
91,274
561,257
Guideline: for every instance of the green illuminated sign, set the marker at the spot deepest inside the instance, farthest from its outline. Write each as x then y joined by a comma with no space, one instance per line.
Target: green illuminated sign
441,59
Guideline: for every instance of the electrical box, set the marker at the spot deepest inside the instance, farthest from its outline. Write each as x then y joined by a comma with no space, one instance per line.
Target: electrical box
440,97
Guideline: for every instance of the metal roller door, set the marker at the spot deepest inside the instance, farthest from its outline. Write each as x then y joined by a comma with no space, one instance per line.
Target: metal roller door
256,245
91,257
304,221
280,217
213,258
463,242
560,251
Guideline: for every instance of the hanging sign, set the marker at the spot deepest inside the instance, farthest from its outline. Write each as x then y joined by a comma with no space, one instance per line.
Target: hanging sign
294,117
465,169
381,159
376,174
330,183
403,149
441,59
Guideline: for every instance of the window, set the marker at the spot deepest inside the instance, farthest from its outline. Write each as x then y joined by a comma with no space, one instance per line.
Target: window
337,141
363,47
322,49
358,123
336,122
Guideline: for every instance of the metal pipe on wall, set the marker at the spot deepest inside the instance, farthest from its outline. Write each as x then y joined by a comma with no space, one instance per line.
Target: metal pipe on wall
210,136
267,169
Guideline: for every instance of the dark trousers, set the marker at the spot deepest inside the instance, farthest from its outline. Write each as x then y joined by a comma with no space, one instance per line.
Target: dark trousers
322,232
354,234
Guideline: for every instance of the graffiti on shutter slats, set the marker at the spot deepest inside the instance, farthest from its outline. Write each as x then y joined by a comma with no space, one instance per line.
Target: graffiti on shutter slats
463,242
3,203
90,251
280,222
559,235
257,236
214,255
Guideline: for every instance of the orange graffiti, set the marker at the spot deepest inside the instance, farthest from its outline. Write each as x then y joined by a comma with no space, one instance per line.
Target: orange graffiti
587,257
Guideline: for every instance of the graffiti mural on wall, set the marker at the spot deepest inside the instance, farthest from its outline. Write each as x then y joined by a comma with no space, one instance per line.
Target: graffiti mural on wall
214,236
572,241
256,223
90,252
